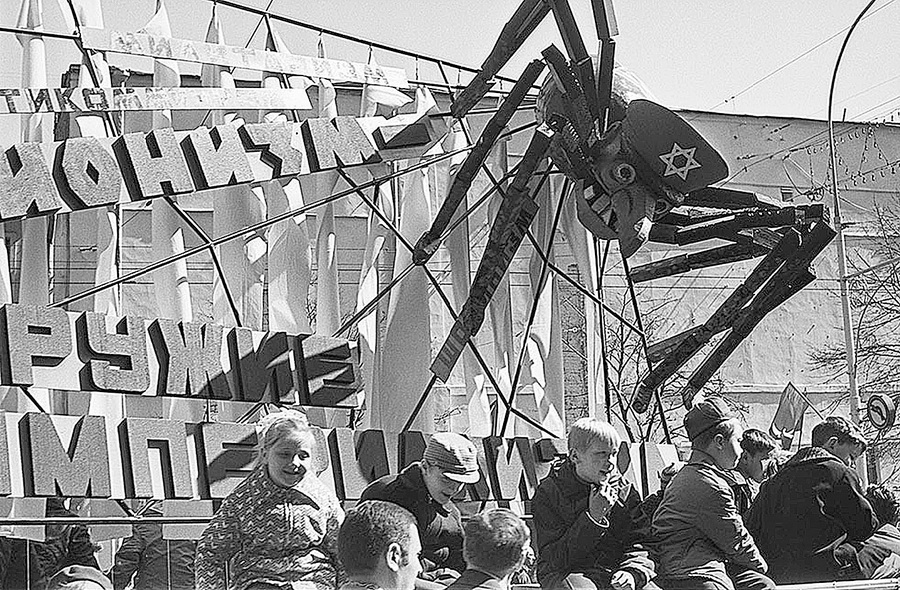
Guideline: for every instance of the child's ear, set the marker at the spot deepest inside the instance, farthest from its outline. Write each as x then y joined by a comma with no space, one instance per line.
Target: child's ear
394,557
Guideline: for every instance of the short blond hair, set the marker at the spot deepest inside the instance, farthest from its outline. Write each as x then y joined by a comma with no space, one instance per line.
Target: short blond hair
272,427
587,431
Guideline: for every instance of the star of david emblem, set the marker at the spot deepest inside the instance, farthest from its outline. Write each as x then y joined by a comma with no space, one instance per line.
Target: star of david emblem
679,152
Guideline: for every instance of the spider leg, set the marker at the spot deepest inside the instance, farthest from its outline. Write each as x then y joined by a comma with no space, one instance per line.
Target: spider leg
723,317
575,103
791,278
581,61
427,245
516,212
523,22
781,273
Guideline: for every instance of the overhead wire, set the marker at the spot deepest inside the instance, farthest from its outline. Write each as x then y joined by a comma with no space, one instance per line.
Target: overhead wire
795,59
860,93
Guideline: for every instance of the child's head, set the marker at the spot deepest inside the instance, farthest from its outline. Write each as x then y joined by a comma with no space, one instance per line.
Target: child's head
756,448
286,446
714,430
593,449
840,437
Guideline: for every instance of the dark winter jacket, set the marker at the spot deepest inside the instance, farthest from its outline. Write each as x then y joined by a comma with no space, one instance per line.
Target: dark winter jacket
807,509
697,529
63,546
570,541
155,563
440,527
476,580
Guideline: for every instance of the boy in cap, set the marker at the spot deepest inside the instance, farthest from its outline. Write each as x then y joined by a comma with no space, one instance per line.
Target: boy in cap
588,521
426,489
701,541
803,515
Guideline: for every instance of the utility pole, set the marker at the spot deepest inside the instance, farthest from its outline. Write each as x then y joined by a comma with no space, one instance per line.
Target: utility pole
855,401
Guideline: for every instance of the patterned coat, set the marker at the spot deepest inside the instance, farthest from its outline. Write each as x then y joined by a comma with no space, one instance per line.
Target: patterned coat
268,533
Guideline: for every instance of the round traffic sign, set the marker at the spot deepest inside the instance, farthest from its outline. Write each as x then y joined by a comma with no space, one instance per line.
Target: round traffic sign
881,411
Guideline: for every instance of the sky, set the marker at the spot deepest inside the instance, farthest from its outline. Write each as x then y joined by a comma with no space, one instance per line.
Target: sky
766,57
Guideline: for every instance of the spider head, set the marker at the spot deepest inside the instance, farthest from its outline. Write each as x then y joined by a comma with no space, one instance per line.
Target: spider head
643,165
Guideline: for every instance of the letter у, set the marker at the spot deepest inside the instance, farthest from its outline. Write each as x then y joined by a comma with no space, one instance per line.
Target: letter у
113,362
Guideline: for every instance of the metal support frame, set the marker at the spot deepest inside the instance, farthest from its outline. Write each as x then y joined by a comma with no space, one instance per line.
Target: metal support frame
195,227
348,37
536,297
436,284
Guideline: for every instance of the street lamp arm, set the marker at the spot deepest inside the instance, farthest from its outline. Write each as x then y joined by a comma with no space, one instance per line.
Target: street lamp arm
837,63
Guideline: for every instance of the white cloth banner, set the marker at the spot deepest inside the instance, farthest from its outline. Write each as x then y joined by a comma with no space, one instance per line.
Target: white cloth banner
406,356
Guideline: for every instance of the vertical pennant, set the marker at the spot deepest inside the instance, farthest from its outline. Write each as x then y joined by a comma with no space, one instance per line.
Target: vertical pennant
544,345
407,340
376,234
374,94
34,276
242,261
214,76
328,314
88,14
289,260
368,326
275,43
582,246
289,252
172,288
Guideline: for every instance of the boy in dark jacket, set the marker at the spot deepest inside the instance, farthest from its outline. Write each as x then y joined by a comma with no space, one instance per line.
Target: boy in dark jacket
812,506
426,489
588,522
700,540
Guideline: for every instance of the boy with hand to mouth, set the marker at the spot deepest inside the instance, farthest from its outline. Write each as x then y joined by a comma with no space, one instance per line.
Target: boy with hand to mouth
589,526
